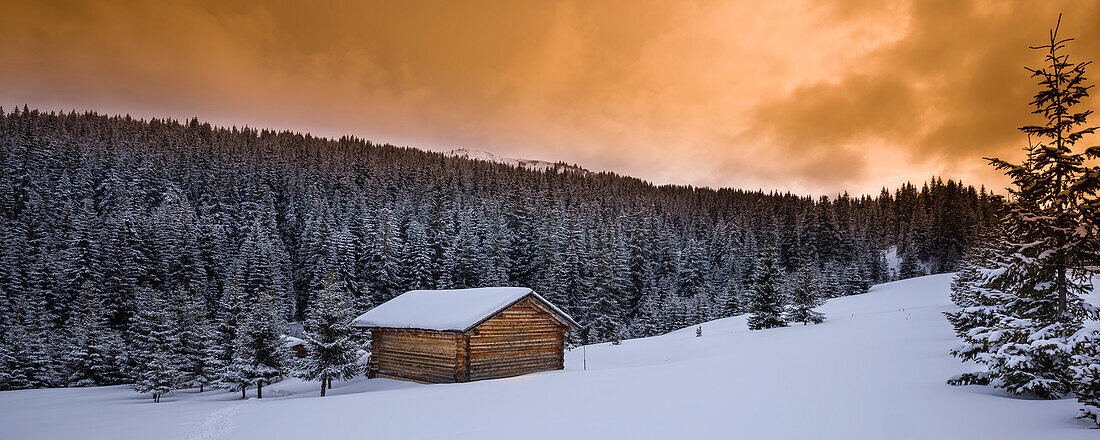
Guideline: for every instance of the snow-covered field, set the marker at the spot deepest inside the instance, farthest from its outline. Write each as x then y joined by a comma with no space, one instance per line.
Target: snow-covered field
876,369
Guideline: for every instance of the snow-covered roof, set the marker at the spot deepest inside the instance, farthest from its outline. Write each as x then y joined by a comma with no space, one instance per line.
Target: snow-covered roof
449,310
291,341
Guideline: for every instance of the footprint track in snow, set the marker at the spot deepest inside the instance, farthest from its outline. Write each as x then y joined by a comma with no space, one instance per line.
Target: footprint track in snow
216,424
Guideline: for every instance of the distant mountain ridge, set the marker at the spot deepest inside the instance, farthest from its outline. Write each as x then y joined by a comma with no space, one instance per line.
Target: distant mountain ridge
540,165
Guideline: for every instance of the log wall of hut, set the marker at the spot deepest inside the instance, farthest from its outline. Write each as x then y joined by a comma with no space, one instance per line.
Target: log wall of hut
419,355
519,340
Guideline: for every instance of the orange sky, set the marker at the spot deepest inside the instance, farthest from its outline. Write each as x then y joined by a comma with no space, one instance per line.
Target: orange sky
812,97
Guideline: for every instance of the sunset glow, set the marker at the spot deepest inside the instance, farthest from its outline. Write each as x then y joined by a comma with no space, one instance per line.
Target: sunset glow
811,97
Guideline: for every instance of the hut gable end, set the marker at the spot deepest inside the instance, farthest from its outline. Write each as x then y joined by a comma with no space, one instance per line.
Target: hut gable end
521,339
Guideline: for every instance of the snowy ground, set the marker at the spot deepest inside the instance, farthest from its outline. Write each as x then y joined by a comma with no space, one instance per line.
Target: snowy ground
874,370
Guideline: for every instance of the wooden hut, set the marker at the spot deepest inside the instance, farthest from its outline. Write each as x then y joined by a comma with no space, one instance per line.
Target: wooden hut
438,336
296,345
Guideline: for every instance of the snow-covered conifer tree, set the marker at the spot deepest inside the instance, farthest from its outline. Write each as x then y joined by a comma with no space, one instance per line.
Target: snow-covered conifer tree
1086,371
329,339
219,354
728,302
854,282
830,280
1024,337
385,261
189,312
93,349
649,319
260,355
418,273
804,291
766,298
154,345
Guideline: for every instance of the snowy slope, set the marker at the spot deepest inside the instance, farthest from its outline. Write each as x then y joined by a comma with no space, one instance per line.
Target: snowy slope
874,370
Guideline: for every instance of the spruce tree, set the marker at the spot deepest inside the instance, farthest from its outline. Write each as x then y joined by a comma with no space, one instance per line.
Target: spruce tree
260,355
219,354
910,265
1054,187
766,298
1024,336
419,273
93,348
1086,371
676,313
189,313
648,322
804,290
831,280
853,281
158,375
330,341
82,264
155,345
728,302
313,254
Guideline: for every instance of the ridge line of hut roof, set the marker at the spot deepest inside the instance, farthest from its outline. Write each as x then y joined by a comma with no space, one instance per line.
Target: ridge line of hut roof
438,310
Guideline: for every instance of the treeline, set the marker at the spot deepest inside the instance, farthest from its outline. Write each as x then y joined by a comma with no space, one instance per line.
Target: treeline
104,217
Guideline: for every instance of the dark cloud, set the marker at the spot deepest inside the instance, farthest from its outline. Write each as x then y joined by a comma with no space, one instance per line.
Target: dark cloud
952,90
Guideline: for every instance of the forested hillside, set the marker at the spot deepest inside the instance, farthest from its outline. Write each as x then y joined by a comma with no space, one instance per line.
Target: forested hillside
107,221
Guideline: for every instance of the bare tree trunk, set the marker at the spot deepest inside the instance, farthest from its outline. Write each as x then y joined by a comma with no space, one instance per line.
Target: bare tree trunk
259,389
330,383
243,396
323,387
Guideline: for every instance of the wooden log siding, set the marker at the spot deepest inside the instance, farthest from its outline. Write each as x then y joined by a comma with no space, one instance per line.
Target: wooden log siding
523,338
419,355
519,340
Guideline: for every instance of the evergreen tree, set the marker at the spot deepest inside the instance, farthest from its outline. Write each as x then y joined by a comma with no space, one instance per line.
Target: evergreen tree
329,339
676,312
728,302
692,273
830,281
155,345
854,281
1086,371
93,348
313,255
1054,187
419,251
649,319
804,290
384,263
766,298
82,261
610,286
189,313
30,361
1021,318
260,356
219,354
910,265
177,244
